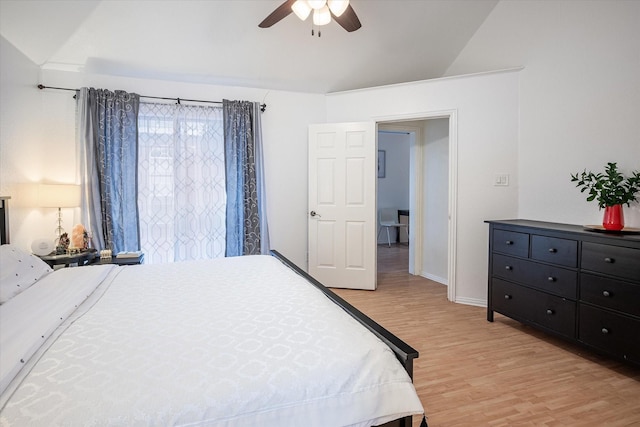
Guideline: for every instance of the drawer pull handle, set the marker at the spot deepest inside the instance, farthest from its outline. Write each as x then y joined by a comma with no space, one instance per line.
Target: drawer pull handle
551,279
549,311
508,267
606,293
605,331
508,242
609,260
553,250
507,296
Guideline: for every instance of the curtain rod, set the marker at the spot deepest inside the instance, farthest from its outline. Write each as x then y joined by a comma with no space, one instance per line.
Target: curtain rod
263,107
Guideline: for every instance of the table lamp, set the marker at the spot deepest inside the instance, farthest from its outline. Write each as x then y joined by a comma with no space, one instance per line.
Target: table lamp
59,196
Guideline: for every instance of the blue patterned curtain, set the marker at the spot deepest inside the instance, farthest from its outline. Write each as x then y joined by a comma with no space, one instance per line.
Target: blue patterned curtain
246,223
107,131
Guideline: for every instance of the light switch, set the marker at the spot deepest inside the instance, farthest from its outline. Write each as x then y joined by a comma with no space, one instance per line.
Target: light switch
501,179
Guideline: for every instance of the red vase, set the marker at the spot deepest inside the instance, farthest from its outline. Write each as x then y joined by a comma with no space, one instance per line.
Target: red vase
613,218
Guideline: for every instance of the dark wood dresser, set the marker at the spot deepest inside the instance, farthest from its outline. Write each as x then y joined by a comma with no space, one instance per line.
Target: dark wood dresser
578,284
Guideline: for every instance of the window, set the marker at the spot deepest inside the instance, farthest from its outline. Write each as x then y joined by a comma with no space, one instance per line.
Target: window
181,182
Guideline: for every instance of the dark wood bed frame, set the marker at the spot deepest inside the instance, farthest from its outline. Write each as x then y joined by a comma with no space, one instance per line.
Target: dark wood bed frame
403,351
4,219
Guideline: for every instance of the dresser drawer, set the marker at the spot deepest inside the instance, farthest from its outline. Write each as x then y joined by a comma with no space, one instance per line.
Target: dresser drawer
612,260
511,300
511,242
610,293
557,280
554,250
609,332
552,312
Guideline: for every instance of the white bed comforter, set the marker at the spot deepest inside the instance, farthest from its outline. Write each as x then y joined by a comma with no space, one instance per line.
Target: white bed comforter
232,342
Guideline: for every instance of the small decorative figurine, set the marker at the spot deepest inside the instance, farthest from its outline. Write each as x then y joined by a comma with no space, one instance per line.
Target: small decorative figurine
105,254
63,244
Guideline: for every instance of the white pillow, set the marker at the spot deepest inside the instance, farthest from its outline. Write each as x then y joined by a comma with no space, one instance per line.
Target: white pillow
18,271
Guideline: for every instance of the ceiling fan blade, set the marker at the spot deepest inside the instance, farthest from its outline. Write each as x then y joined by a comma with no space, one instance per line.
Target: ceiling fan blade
281,12
348,20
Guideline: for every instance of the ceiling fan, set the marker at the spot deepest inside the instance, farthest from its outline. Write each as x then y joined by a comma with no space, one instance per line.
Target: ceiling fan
323,10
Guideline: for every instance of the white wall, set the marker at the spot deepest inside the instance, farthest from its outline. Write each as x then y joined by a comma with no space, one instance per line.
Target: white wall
487,134
30,151
393,189
579,96
39,145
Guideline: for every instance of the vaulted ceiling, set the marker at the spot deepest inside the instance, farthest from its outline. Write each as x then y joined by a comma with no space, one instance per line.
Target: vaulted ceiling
219,42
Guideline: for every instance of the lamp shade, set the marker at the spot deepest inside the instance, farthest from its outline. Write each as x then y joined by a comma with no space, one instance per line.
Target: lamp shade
58,195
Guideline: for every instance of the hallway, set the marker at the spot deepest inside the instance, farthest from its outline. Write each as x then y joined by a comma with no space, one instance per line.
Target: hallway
394,259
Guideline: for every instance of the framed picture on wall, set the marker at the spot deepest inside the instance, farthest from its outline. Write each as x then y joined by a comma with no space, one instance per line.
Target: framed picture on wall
382,160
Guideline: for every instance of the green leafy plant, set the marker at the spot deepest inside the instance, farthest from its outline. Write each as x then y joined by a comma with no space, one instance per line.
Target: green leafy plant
609,188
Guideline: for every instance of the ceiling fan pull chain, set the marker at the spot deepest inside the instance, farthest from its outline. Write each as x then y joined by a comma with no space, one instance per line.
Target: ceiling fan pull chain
313,30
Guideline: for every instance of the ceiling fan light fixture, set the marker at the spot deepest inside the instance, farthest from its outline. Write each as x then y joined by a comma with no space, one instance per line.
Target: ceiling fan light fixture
316,4
323,11
302,9
321,16
338,7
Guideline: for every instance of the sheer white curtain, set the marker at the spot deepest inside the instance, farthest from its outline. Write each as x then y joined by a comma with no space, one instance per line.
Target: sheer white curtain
181,182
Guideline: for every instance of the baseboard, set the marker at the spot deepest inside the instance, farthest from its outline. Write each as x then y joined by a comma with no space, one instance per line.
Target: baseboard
434,278
466,301
472,301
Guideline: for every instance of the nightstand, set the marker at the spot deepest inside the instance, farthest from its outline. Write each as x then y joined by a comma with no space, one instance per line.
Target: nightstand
119,261
79,259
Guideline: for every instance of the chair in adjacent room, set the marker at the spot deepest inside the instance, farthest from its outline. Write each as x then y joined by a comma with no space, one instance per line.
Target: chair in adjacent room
388,218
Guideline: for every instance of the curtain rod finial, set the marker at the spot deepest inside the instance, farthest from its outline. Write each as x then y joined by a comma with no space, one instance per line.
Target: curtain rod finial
41,86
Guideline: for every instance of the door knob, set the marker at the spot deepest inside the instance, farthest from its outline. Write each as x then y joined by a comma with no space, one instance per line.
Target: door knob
313,213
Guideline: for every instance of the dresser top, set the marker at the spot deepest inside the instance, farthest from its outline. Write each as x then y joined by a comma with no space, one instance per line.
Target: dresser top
578,230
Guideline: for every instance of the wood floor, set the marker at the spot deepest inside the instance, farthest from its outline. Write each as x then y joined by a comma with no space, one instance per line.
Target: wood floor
475,373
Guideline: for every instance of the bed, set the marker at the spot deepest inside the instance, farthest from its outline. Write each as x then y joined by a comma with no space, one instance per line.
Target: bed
244,341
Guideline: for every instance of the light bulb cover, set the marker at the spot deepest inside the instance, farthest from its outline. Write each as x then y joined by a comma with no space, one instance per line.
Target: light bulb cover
321,16
338,7
316,4
302,9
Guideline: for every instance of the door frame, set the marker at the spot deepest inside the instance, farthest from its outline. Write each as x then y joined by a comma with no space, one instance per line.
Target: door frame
416,163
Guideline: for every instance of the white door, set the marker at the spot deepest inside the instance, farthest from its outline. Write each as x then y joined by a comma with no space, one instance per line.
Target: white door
342,204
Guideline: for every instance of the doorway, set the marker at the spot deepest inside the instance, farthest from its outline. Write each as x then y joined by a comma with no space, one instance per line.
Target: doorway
393,194
431,196
364,142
